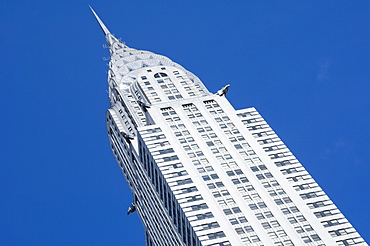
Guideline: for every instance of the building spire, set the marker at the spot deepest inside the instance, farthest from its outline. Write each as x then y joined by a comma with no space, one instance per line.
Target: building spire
103,27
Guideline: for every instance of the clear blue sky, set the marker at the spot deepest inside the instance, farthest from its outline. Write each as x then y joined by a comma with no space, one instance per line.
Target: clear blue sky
303,64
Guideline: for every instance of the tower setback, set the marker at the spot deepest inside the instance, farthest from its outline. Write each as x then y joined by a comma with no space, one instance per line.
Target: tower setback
203,173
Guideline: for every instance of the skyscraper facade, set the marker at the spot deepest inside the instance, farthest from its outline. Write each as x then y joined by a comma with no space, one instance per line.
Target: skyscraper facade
203,173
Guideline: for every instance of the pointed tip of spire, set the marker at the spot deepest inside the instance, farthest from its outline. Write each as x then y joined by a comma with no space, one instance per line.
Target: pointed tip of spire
103,27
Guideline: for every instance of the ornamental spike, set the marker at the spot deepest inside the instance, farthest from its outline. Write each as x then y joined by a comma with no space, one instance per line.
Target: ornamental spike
103,27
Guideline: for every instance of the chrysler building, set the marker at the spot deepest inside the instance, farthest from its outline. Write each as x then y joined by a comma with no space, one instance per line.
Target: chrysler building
203,173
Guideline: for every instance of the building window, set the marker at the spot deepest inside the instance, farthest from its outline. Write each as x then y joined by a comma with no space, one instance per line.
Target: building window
306,239
259,216
199,207
266,225
307,228
279,201
294,209
325,213
299,229
315,237
316,204
209,226
204,216
309,195
272,235
255,238
206,178
233,221
260,176
301,218
287,200
248,229
215,235
261,205
194,198
292,220
160,75
227,211
188,190
239,230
